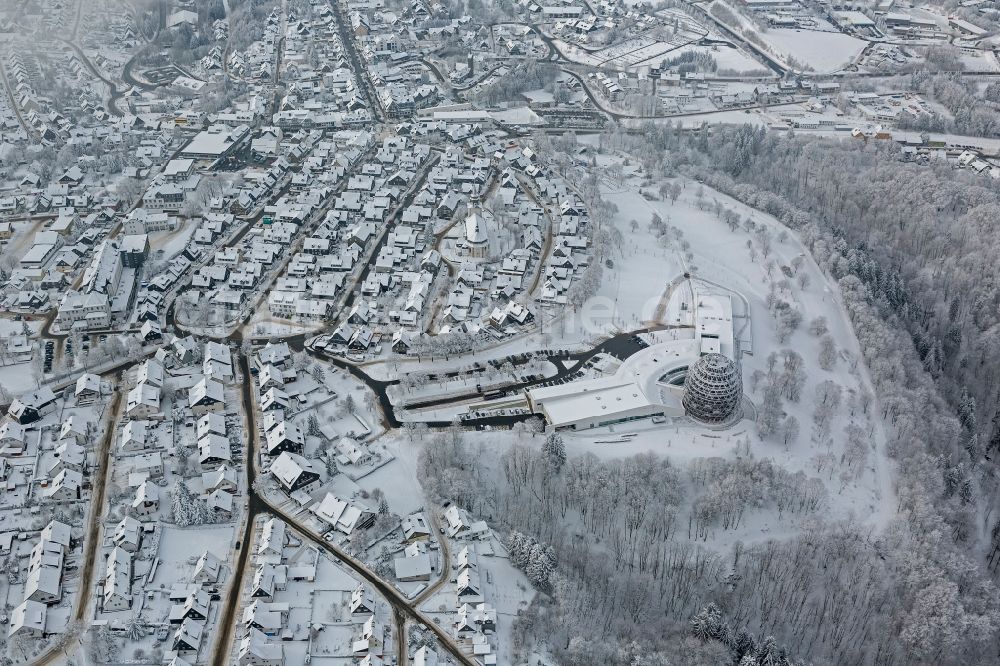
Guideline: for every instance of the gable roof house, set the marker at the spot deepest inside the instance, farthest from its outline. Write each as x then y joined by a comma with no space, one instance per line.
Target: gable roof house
294,473
68,455
88,388
28,619
45,568
425,656
211,423
415,527
150,372
73,428
468,585
13,439
32,406
206,396
267,617
286,436
275,398
207,569
460,525
128,535
217,360
187,639
194,607
143,402
213,450
222,478
343,515
350,452
272,540
117,588
147,499
268,579
134,435
362,600
475,619
66,485
269,377
372,640
257,650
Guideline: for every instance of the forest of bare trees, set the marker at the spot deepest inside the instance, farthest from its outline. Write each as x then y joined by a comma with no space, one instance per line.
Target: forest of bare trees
631,569
912,248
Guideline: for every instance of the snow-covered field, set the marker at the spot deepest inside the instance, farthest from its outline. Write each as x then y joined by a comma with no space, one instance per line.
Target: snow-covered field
517,116
398,479
823,51
16,377
727,57
722,257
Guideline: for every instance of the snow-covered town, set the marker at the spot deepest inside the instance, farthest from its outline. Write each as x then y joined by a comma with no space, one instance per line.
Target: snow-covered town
497,333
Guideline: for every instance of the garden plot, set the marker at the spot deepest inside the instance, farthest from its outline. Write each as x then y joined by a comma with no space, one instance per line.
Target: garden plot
18,378
633,51
335,405
331,643
180,548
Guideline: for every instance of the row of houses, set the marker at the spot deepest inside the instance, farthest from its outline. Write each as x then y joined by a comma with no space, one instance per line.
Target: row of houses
43,585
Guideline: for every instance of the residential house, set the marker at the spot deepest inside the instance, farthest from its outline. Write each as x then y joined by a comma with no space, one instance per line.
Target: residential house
294,473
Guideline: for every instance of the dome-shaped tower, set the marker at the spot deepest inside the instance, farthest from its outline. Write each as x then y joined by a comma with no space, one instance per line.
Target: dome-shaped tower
713,388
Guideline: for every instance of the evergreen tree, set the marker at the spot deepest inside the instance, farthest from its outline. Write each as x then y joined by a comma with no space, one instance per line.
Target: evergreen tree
541,564
135,628
182,504
519,547
967,410
767,653
554,450
707,623
743,644
318,374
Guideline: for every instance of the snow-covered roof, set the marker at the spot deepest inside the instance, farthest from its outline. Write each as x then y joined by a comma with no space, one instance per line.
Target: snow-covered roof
207,568
272,537
213,447
143,396
28,617
207,391
255,648
88,382
341,514
118,577
150,372
475,229
57,532
288,467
